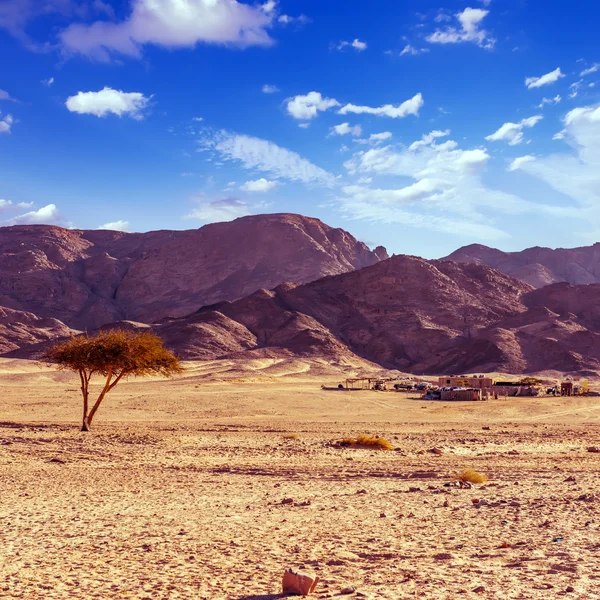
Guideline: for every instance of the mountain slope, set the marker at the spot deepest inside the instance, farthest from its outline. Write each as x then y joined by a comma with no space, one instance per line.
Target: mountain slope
537,266
89,278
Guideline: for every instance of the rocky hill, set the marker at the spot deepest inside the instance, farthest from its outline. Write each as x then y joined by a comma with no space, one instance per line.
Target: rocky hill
537,266
89,278
403,313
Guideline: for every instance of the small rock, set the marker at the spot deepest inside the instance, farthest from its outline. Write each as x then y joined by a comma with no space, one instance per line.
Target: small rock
361,491
570,479
479,589
513,452
443,556
486,428
569,589
382,515
436,451
287,501
347,590
593,449
298,582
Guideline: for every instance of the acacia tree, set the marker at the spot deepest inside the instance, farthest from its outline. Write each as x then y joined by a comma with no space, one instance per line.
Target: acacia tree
114,355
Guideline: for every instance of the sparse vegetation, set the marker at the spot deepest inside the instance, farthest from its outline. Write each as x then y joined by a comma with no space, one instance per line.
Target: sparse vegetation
471,476
366,441
114,355
291,436
530,381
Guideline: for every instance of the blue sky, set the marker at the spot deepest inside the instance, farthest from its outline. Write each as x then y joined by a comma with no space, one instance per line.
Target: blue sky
419,125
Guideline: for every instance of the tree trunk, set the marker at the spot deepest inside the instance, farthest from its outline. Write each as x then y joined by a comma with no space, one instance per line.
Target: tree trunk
85,394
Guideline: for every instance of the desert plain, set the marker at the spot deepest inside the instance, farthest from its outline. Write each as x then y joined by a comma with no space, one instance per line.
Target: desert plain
210,485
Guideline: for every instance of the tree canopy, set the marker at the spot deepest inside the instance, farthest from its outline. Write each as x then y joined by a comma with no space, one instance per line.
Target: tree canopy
115,355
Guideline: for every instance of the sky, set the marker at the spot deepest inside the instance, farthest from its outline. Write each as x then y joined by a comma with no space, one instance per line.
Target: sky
420,125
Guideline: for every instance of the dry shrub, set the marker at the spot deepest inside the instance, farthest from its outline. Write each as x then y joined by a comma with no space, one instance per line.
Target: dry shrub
470,475
291,436
366,441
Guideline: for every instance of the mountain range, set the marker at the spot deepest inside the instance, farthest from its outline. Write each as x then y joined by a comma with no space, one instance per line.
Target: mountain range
288,285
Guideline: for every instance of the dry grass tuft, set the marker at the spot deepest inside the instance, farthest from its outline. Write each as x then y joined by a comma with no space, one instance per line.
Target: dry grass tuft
291,436
470,475
366,441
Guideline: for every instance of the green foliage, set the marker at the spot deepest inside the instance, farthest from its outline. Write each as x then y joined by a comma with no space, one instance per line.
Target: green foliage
530,381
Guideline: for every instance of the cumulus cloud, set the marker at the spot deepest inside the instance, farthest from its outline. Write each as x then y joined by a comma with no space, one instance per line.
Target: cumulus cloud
269,89
345,129
172,24
356,44
263,155
547,79
6,122
108,101
517,163
48,214
409,107
380,137
223,209
444,192
512,133
469,30
259,185
308,106
116,226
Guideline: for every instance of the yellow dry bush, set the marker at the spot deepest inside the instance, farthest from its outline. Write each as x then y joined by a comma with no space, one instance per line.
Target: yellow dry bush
470,475
367,441
291,436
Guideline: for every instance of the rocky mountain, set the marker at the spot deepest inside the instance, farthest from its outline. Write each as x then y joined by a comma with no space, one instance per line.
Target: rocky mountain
538,266
404,313
89,278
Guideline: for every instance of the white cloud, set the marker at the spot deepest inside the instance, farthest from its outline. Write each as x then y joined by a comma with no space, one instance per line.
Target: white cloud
5,204
108,101
409,107
444,192
115,226
408,49
517,163
6,122
304,125
198,119
593,69
559,136
547,79
512,133
224,209
172,24
286,20
263,155
269,6
429,138
46,215
259,185
556,100
308,106
4,95
345,129
380,137
575,88
48,82
576,174
470,20
356,44
270,89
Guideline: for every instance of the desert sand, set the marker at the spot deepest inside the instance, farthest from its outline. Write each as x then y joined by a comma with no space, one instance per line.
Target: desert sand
210,485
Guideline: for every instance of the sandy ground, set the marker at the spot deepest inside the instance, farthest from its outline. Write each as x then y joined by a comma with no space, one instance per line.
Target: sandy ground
177,492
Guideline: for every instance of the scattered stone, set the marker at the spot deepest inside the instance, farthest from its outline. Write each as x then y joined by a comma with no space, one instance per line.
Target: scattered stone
570,479
287,501
347,590
298,582
479,589
58,461
414,489
513,452
486,428
443,556
569,589
436,451
361,491
382,515
593,449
